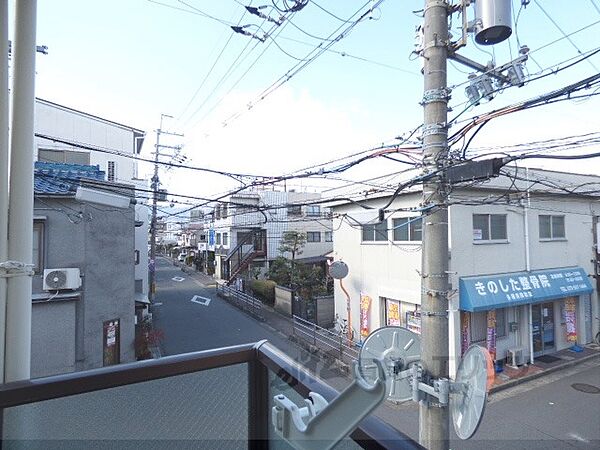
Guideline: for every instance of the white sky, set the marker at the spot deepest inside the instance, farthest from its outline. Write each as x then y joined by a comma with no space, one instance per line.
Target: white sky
131,60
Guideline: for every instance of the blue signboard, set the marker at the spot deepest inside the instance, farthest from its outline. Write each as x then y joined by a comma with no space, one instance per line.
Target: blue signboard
521,288
211,237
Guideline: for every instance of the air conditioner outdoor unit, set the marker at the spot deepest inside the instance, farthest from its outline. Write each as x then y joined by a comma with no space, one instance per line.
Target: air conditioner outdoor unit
514,357
59,279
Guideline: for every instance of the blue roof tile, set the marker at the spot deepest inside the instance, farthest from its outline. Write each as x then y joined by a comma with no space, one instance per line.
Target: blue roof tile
63,179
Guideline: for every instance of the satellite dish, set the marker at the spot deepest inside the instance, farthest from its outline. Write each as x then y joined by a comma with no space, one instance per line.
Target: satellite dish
469,395
397,348
338,270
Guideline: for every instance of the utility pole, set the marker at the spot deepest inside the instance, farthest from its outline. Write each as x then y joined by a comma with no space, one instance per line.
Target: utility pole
434,419
155,184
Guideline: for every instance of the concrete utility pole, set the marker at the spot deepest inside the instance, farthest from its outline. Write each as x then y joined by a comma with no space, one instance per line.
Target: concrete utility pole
20,221
434,421
155,184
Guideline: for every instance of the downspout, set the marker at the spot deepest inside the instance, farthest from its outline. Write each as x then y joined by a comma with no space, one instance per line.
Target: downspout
20,221
528,261
3,172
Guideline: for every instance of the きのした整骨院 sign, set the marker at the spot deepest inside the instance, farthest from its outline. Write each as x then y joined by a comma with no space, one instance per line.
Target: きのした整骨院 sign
520,288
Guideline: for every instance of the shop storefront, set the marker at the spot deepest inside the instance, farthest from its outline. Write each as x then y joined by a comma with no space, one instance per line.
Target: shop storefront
530,314
403,314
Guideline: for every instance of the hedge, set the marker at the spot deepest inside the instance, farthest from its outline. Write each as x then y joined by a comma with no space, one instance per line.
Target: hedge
265,290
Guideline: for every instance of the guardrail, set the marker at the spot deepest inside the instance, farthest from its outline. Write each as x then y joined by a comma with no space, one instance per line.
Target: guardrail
329,342
241,300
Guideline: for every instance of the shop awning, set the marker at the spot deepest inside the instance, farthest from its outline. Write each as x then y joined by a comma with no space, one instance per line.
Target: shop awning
483,293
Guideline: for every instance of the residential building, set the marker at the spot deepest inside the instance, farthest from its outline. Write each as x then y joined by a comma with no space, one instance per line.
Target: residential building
523,257
83,253
245,231
66,135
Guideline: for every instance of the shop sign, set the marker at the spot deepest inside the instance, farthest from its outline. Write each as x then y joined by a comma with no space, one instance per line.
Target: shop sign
570,319
520,288
393,313
413,321
365,307
465,327
491,333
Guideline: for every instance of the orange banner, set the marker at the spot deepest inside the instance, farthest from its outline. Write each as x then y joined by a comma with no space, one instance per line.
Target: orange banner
365,308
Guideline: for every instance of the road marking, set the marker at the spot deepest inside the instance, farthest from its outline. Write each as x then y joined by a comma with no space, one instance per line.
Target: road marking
578,438
178,279
204,301
157,304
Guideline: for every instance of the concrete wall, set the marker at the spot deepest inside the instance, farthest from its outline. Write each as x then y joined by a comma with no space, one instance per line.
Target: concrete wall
283,300
53,338
100,242
141,245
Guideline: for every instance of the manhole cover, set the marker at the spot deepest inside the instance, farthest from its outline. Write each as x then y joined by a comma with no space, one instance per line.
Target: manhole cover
587,388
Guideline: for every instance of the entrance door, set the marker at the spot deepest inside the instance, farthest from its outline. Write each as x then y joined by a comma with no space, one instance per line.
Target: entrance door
543,328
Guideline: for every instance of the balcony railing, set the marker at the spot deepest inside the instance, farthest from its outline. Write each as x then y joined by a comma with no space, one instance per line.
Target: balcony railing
218,398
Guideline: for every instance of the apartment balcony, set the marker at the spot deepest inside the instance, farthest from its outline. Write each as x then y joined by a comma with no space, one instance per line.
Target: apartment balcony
216,399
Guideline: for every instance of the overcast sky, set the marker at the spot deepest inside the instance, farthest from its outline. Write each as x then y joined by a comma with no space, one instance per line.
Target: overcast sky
131,60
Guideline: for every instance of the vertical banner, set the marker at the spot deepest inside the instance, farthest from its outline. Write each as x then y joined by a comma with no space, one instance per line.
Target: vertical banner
491,333
393,313
570,319
365,307
465,328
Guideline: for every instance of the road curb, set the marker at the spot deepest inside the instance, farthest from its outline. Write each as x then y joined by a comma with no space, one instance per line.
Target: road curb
548,371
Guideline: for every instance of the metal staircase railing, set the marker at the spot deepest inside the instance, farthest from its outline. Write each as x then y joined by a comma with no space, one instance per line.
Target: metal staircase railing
252,246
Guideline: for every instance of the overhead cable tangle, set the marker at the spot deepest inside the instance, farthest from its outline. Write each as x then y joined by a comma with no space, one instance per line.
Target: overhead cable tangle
214,64
193,10
310,57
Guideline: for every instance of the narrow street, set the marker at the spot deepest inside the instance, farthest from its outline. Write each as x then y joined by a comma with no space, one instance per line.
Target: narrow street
547,413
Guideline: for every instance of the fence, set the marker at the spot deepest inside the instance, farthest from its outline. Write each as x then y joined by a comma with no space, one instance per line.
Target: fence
241,300
329,342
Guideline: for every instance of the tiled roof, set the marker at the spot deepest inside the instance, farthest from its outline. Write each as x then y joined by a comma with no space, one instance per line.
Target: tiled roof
62,179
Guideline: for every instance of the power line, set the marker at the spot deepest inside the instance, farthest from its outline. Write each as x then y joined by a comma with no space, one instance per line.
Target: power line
563,33
316,52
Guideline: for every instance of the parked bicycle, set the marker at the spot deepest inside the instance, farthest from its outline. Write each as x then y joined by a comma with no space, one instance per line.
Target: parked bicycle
341,328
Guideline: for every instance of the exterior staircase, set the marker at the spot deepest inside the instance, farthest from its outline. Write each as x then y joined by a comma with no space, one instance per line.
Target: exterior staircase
253,245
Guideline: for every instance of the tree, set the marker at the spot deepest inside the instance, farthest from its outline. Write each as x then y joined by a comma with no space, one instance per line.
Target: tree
292,242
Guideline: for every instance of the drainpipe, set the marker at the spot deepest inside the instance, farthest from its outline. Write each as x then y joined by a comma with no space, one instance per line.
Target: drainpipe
3,171
528,261
20,222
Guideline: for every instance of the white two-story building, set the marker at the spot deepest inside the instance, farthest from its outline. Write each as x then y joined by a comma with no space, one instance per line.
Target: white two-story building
246,230
523,257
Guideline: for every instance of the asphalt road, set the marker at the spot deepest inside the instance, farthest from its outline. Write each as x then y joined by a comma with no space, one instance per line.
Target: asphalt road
544,414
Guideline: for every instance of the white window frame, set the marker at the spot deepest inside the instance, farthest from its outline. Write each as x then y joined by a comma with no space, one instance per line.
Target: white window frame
329,236
501,331
39,256
489,240
313,210
313,233
373,238
552,237
410,223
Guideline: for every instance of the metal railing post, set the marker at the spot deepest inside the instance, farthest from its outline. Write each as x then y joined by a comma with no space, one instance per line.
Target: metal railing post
259,414
314,334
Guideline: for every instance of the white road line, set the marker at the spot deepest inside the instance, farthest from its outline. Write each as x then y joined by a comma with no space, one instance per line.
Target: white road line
204,301
178,279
